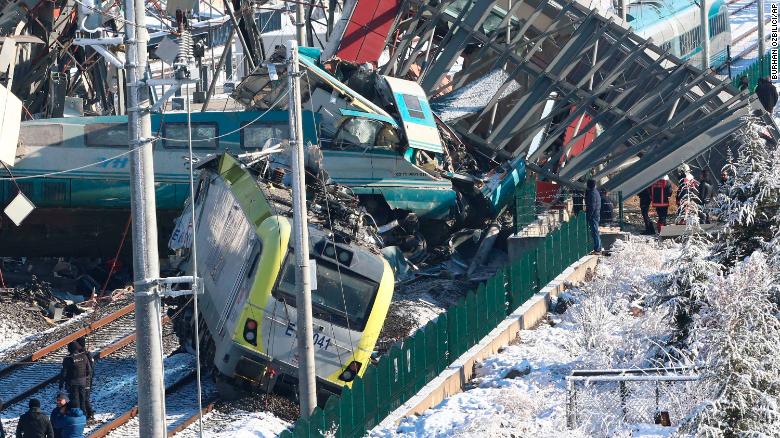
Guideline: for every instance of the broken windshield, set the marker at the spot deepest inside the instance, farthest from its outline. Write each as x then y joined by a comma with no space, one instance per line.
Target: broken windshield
341,297
357,133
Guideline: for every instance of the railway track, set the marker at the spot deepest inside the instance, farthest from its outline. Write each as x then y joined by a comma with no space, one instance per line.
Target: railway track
181,410
741,7
750,48
28,374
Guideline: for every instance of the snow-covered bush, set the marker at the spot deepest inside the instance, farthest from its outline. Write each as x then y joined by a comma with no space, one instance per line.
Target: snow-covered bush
614,328
736,339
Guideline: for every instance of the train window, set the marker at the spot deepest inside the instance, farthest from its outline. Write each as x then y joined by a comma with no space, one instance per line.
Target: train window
41,135
717,25
341,297
203,135
689,41
255,136
106,134
413,106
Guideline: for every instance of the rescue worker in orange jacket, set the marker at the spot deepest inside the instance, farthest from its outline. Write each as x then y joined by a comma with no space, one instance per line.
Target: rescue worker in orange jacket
661,192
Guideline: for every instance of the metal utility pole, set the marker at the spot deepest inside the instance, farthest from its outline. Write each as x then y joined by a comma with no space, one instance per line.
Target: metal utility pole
300,23
761,31
151,390
307,384
705,34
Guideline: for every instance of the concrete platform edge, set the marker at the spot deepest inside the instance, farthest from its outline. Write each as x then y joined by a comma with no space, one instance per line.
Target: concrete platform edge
452,380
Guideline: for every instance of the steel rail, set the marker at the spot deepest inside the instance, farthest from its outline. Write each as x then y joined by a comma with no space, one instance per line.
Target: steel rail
99,354
131,413
192,418
56,345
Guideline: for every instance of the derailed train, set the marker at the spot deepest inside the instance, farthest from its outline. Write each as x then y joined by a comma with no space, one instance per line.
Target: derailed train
246,265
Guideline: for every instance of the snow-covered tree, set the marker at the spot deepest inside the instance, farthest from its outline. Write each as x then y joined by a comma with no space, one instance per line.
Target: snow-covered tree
748,202
690,271
736,338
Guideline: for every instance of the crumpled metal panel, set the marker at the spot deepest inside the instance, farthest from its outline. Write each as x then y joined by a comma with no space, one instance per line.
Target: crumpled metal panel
648,102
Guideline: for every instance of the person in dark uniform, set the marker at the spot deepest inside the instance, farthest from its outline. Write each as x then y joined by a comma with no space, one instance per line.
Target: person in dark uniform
34,423
645,199
767,94
82,341
593,213
744,84
76,374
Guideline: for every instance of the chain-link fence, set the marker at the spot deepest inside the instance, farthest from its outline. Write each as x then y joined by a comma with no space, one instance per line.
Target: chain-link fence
600,401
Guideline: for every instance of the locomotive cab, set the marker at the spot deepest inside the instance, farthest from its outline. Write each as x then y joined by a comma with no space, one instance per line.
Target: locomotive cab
248,311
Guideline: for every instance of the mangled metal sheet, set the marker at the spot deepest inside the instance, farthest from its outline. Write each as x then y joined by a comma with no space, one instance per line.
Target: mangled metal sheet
648,103
10,124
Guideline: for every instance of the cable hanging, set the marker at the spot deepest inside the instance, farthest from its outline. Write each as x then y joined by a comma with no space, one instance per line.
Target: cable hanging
61,172
194,255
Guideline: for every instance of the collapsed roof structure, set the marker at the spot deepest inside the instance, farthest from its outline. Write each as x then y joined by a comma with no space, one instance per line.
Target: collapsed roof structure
515,80
543,61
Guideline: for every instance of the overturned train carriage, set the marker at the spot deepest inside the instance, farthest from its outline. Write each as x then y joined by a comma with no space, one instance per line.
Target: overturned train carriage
248,309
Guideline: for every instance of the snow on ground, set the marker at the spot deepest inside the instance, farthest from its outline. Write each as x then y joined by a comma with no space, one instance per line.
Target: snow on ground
11,334
521,391
238,424
21,323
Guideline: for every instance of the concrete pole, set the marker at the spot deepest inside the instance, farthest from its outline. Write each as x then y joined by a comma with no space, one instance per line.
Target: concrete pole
307,383
761,30
622,5
151,389
300,24
705,34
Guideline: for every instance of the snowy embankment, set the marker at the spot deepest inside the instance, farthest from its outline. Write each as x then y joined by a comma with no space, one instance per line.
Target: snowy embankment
521,391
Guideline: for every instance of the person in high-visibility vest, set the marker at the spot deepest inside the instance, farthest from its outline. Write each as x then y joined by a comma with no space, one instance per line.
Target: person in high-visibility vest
660,192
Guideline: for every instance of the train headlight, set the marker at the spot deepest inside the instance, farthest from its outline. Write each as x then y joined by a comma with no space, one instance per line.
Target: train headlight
351,372
250,331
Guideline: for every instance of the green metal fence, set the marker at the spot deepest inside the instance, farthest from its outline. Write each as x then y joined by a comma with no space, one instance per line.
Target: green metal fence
413,362
525,203
758,69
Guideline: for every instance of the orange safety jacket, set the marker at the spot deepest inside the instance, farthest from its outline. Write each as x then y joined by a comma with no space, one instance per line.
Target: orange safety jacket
661,191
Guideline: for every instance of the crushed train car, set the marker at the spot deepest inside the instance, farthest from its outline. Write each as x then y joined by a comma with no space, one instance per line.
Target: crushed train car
380,137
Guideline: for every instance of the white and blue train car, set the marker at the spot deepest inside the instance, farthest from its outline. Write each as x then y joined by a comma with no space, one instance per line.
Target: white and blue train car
676,25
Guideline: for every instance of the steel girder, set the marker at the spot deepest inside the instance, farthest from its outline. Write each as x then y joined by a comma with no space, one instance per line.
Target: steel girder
647,102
